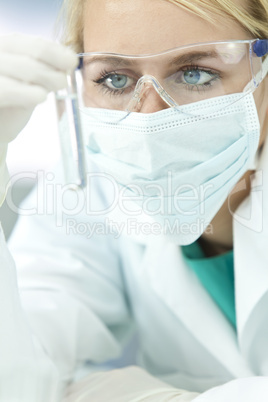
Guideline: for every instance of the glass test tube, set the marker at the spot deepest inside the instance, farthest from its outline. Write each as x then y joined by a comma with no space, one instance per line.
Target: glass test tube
70,133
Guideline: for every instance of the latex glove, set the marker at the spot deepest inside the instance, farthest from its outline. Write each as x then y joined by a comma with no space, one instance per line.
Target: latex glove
30,68
131,384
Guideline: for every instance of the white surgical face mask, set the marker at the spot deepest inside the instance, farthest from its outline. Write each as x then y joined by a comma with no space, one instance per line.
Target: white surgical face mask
176,168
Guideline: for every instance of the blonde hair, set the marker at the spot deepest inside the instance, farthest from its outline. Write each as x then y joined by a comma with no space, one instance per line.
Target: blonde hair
252,16
70,24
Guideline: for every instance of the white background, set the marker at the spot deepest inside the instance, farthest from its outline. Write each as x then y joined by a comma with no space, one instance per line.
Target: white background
37,147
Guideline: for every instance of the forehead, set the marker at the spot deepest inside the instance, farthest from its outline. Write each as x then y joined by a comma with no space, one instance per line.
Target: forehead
149,26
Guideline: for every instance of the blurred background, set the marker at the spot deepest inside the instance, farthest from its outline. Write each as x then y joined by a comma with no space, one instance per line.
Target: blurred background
37,148
35,17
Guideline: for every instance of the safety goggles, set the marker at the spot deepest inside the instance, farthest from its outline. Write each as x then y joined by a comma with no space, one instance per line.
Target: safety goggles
181,76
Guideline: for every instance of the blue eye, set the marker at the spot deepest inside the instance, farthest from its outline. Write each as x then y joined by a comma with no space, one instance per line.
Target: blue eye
191,77
197,77
117,81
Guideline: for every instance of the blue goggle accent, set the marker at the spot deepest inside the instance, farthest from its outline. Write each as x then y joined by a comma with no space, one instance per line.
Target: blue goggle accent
261,47
80,65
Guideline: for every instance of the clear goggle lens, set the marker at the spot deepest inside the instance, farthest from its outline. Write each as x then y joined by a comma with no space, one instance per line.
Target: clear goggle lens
180,76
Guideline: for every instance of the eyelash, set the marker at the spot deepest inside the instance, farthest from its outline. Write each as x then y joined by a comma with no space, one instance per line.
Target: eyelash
193,67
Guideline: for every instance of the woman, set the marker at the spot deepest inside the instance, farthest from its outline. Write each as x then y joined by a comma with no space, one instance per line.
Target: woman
94,291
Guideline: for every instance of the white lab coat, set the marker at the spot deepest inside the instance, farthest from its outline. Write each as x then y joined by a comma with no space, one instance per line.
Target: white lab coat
26,374
85,297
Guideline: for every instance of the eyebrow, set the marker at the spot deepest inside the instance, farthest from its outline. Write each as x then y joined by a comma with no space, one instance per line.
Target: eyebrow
113,60
194,56
121,61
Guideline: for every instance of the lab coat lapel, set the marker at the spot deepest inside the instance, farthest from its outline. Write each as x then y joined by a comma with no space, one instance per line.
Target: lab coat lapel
251,257
180,290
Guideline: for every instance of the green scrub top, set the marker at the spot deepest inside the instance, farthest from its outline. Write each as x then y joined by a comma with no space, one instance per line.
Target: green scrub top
216,275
